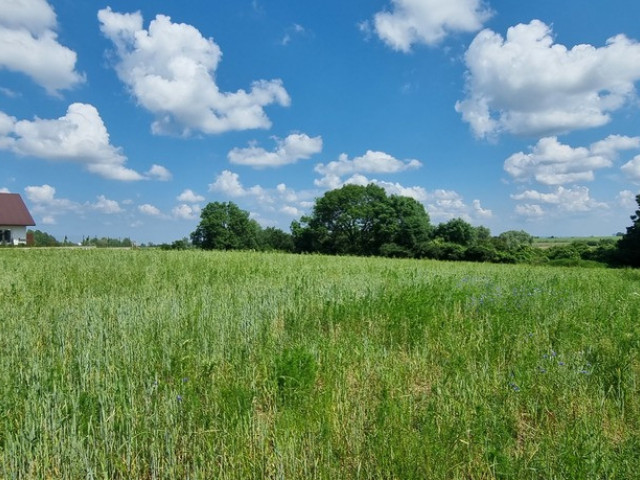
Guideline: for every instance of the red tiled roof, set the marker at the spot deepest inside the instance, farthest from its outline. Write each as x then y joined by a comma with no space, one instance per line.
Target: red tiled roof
13,211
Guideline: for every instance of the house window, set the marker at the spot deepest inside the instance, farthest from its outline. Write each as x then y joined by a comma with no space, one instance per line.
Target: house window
5,236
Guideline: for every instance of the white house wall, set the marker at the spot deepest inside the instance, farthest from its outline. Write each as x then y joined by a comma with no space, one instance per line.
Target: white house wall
18,234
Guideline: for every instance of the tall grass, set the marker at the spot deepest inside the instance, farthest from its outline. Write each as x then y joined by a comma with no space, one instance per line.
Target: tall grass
148,364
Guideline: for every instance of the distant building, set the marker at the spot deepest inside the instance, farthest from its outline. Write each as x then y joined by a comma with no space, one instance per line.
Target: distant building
14,220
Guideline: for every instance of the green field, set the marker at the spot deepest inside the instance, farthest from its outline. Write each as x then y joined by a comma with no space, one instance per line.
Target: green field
548,242
210,365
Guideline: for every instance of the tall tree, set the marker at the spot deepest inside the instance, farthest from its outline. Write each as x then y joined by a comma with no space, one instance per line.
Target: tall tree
457,231
360,220
224,226
629,244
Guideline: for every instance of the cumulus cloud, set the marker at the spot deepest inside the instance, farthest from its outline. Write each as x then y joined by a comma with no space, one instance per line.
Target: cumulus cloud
632,169
104,205
530,211
80,136
189,196
40,194
526,84
186,212
44,202
553,163
297,146
290,211
148,209
575,199
481,212
370,162
158,172
426,22
29,45
228,183
626,199
170,70
263,200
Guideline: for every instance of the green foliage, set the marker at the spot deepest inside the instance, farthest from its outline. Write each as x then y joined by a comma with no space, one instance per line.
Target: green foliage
360,220
107,242
439,249
629,244
272,238
512,240
43,239
456,231
224,226
182,244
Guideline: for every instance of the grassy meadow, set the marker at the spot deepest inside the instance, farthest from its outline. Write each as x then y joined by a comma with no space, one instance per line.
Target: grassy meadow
123,364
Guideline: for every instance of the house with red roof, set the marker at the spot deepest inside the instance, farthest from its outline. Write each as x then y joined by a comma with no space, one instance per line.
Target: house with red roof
14,220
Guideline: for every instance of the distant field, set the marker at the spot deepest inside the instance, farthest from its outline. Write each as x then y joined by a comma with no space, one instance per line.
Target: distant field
175,365
546,242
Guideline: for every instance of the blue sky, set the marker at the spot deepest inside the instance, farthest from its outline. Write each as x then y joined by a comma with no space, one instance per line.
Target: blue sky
125,118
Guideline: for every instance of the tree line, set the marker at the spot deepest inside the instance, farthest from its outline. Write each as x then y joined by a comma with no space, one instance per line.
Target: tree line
366,221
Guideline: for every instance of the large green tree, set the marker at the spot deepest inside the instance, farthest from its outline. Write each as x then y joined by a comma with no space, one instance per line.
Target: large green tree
457,231
362,220
224,226
629,244
43,239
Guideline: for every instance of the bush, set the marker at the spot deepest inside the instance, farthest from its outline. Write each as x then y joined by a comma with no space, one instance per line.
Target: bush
394,250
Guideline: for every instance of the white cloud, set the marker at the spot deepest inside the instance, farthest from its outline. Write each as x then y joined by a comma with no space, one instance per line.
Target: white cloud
632,169
170,70
575,199
481,212
263,200
446,204
417,193
104,205
158,172
370,162
626,199
610,146
40,194
228,183
29,45
189,196
44,202
553,163
186,212
150,210
7,92
291,211
531,211
297,146
528,85
427,22
294,30
80,136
